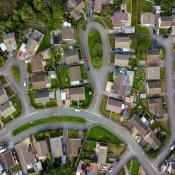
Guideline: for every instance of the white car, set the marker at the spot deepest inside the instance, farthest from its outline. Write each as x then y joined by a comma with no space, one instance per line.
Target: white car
111,169
25,83
77,110
172,147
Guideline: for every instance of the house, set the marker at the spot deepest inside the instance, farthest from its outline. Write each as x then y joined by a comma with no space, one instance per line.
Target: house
42,96
37,63
153,58
93,169
77,93
41,149
7,109
101,152
3,96
74,75
75,8
148,19
56,147
73,146
34,42
120,85
156,106
120,20
152,140
122,42
39,80
7,159
137,127
9,42
98,4
67,35
165,22
114,105
153,88
121,60
25,154
153,73
71,56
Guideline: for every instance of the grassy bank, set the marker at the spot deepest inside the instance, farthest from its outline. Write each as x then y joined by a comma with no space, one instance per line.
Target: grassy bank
15,71
95,48
54,119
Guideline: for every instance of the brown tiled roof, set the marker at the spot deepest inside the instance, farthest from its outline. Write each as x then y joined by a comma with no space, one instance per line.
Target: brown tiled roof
153,73
9,40
3,95
74,73
155,106
73,147
71,56
7,159
151,139
97,5
136,122
119,18
77,93
37,63
114,105
153,57
67,33
148,18
166,21
93,169
153,88
39,80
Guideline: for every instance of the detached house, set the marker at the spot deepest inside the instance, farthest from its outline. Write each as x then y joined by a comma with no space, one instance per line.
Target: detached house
98,4
42,96
153,88
7,109
101,151
73,147
75,8
148,19
67,35
114,105
56,147
121,60
165,22
74,75
153,58
123,42
71,56
77,94
153,73
10,42
3,95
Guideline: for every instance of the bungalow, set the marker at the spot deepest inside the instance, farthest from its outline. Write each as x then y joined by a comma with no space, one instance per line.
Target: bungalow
77,93
165,22
7,109
148,19
123,42
42,96
3,96
67,35
98,4
41,149
114,105
37,63
9,42
71,56
152,140
56,147
39,80
74,75
153,73
25,154
153,88
120,85
75,8
7,159
34,42
73,147
137,127
153,58
121,19
101,152
121,60
156,106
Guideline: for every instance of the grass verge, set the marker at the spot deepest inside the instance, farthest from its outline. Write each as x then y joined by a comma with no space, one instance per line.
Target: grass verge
15,71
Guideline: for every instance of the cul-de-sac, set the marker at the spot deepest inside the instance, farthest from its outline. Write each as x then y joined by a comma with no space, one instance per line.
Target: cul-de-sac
87,87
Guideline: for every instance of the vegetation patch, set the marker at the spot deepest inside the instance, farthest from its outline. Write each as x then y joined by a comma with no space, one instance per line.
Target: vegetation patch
100,134
48,120
95,48
15,71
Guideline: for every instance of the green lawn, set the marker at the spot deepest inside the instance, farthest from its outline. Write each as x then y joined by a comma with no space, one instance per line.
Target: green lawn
134,167
54,119
2,79
100,134
114,116
15,71
95,48
64,77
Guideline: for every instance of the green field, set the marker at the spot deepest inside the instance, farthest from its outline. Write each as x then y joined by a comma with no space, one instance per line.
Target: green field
64,77
54,119
100,134
15,71
95,48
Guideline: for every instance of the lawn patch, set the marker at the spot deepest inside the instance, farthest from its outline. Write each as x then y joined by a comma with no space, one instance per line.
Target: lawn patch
95,48
54,119
15,71
63,77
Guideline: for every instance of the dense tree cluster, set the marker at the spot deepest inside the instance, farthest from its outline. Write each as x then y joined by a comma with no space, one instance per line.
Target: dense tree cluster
21,14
